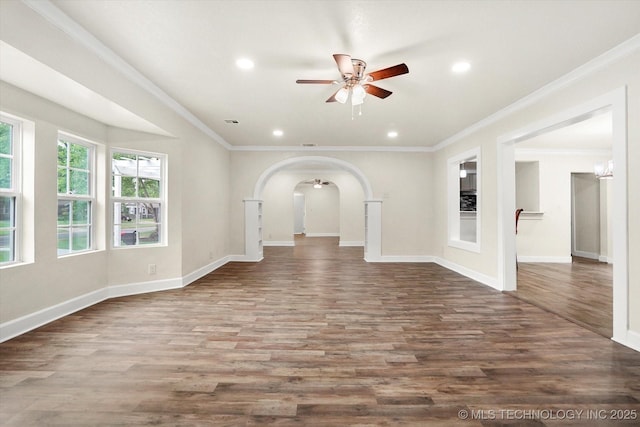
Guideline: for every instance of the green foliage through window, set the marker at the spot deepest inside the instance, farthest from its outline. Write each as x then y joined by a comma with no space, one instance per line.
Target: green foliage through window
137,193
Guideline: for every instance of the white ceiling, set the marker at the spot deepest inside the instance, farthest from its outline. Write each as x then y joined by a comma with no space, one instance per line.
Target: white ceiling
189,48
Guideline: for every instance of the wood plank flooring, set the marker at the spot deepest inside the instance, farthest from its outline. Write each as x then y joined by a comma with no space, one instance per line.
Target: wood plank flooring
313,335
581,291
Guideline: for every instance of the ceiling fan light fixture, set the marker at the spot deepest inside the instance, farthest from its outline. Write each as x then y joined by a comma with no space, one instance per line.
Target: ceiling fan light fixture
357,95
342,95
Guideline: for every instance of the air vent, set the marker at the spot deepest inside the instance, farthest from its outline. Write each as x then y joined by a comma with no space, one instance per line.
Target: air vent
235,122
309,145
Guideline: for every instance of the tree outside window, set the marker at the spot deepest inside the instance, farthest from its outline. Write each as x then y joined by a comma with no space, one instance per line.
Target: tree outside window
75,195
8,192
137,193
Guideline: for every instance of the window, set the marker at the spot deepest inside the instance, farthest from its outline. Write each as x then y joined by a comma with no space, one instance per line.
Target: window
138,198
464,200
76,201
10,138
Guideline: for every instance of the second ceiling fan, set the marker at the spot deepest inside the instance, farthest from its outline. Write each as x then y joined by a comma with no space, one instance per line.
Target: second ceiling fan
355,82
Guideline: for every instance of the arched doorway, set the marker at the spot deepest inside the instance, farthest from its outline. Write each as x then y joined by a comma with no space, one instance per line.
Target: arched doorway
254,205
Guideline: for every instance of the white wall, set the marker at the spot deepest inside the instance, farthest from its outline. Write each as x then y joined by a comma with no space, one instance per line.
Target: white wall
337,211
322,207
402,180
621,72
547,237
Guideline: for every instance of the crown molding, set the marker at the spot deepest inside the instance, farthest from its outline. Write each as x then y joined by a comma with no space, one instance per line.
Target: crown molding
290,148
63,22
625,48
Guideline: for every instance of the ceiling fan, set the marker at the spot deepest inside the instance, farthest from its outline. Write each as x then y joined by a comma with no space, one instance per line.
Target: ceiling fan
355,82
317,183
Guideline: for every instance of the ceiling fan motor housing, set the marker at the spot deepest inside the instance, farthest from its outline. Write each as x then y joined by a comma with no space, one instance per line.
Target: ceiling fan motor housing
358,71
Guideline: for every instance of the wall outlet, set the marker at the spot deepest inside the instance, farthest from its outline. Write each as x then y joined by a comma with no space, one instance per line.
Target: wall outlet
152,269
210,254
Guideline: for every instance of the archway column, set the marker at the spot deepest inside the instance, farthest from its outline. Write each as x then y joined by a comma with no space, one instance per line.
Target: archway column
372,230
253,229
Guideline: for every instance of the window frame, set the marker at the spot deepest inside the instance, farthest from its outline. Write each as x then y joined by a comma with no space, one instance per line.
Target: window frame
453,200
161,200
71,197
14,192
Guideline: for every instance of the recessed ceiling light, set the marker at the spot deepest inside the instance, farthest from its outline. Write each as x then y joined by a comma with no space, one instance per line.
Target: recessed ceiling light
460,67
245,63
278,132
392,134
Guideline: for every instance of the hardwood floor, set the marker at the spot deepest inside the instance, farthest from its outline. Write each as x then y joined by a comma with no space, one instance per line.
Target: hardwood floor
313,335
581,291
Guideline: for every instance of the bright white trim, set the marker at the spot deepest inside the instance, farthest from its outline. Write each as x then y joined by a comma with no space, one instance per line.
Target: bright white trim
60,20
124,290
76,32
322,234
324,148
549,259
203,271
606,259
467,272
243,258
625,48
589,255
341,164
26,323
616,102
631,339
346,243
278,243
404,258
453,200
23,324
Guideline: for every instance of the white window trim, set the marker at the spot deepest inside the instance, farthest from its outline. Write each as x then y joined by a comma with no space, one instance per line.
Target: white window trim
162,200
93,147
16,185
453,200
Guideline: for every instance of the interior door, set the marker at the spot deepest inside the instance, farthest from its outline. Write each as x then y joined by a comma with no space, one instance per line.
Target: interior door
298,213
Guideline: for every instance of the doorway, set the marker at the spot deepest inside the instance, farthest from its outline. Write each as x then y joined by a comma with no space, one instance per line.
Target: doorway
613,102
559,241
370,215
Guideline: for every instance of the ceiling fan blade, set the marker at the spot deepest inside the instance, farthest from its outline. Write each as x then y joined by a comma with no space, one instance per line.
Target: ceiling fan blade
385,73
332,98
344,64
377,91
322,82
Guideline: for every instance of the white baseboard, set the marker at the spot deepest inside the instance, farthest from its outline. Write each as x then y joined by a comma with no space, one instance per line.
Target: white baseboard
203,271
322,234
404,258
631,340
21,325
550,259
606,259
243,258
345,243
588,255
467,272
278,243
